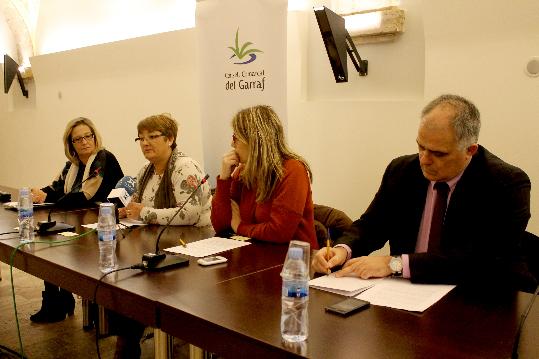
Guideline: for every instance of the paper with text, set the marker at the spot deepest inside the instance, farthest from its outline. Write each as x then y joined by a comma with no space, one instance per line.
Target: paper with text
402,294
348,286
124,223
207,247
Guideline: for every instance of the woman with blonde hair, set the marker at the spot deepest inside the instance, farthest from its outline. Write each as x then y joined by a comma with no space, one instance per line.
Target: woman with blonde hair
263,190
88,177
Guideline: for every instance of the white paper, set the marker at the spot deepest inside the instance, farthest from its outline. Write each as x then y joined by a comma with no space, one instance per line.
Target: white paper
207,247
15,205
347,286
402,294
124,222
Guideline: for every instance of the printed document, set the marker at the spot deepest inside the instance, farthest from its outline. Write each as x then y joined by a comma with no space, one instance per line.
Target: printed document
124,223
400,293
207,247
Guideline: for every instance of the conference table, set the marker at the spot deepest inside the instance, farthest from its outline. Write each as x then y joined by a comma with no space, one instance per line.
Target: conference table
233,309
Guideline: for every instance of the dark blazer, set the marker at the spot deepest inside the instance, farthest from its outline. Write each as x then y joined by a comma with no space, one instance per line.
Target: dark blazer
486,216
111,172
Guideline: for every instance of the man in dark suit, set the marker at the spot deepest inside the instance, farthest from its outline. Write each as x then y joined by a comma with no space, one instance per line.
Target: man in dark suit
468,232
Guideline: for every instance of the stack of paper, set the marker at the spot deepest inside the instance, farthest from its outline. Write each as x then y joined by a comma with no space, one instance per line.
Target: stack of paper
207,247
348,286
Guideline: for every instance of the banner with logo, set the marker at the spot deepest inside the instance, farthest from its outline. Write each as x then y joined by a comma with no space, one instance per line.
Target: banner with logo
242,63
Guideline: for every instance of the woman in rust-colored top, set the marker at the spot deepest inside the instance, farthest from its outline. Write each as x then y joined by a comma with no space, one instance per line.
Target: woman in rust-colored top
263,190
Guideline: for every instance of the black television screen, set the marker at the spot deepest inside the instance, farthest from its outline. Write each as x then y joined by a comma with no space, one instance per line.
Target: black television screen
11,69
338,43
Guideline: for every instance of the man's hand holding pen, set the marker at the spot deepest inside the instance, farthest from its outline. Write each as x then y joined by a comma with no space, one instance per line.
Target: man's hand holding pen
327,258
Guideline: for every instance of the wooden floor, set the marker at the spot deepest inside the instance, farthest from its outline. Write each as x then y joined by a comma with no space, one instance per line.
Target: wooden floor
65,339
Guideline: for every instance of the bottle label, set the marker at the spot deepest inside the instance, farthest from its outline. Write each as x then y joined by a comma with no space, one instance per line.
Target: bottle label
295,290
25,213
106,236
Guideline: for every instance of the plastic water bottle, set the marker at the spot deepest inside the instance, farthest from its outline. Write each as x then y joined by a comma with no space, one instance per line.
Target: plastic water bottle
106,233
26,216
295,297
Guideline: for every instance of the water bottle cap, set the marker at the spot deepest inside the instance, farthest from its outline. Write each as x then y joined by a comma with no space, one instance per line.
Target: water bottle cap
295,253
24,190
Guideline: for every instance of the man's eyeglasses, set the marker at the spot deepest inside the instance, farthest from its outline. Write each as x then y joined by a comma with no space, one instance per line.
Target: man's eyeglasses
149,138
86,138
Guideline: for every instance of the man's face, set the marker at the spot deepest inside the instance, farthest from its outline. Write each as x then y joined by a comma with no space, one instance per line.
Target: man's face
440,156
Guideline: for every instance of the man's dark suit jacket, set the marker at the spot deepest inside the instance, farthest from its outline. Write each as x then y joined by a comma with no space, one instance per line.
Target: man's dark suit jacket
485,219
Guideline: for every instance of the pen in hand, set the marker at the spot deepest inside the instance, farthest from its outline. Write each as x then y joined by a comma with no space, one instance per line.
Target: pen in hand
328,251
183,243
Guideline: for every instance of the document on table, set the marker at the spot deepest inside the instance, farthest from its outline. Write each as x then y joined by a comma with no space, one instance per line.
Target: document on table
124,222
402,294
207,247
15,205
348,286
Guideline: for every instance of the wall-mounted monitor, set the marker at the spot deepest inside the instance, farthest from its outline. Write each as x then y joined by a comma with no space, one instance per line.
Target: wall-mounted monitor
338,43
11,69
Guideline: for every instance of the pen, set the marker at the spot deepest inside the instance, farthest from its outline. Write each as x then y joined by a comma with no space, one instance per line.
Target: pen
183,243
328,245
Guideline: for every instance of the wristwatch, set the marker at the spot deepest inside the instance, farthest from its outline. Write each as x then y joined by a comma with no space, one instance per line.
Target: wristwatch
395,264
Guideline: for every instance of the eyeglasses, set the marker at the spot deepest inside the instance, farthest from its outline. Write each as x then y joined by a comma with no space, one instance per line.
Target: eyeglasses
149,138
86,138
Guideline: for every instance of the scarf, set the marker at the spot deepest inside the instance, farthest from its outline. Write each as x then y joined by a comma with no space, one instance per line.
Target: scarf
164,197
89,188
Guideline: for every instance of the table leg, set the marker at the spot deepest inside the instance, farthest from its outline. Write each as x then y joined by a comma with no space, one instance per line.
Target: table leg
196,352
103,321
163,344
86,325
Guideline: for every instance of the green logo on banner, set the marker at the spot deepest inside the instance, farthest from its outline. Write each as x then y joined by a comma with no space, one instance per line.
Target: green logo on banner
241,52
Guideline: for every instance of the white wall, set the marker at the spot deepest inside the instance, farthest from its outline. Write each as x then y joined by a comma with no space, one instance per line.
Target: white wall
116,85
7,43
70,25
348,132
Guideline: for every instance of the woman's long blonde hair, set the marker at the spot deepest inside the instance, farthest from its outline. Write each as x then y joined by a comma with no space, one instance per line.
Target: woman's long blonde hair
260,127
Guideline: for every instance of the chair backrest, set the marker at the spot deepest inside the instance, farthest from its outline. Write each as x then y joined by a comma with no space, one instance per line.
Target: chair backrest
530,250
329,221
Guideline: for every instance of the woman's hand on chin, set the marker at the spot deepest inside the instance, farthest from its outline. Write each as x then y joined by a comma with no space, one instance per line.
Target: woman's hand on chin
230,161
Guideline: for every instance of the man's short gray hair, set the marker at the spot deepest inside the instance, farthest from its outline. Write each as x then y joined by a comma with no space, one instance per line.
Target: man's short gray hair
466,122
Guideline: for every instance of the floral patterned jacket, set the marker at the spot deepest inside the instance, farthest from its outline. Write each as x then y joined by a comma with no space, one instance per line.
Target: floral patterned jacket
186,174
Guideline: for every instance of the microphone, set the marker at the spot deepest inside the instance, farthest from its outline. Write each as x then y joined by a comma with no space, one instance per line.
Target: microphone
50,227
159,261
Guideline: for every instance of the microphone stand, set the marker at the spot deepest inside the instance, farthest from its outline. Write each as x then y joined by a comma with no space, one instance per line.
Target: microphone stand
51,227
159,261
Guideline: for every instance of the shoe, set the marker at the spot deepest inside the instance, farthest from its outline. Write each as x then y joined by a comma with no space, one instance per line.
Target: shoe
51,311
68,301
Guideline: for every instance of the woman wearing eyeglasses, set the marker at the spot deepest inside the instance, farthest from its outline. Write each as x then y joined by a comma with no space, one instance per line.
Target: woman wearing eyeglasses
88,177
163,185
88,162
168,180
263,190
